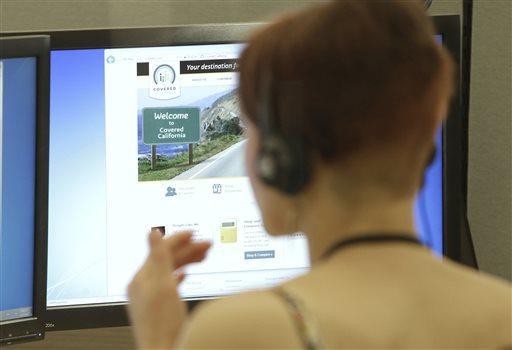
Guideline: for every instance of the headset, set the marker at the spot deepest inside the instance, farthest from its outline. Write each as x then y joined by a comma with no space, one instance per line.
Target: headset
283,161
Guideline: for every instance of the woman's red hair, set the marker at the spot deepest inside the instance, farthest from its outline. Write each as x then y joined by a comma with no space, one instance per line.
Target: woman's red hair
367,71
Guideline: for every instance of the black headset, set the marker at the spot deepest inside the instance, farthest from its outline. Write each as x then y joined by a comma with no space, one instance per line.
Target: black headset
283,161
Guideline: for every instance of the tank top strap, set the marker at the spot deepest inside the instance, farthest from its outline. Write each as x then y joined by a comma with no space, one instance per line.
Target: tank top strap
304,322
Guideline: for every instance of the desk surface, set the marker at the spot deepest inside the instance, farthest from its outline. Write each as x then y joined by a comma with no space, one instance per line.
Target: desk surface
84,339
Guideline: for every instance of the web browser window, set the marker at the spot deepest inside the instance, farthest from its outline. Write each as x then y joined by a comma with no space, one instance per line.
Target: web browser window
145,138
175,158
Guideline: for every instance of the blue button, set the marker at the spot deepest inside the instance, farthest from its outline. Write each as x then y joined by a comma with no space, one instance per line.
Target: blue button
260,254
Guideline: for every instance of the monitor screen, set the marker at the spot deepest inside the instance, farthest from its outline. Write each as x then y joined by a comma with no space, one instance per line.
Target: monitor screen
18,119
152,137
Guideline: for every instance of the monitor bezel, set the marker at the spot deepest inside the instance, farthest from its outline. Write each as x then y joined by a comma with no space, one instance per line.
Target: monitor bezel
114,314
32,328
454,163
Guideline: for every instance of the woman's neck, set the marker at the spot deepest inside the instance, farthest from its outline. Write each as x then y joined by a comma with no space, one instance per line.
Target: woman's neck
328,222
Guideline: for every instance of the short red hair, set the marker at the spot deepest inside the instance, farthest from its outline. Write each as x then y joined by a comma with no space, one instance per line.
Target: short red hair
366,68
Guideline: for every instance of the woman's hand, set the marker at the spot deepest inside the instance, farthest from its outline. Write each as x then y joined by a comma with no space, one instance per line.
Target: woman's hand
155,309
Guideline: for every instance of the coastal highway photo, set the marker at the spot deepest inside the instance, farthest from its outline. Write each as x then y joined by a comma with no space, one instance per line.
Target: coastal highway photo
228,163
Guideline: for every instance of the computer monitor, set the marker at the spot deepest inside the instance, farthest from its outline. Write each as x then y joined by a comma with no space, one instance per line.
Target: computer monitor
146,132
24,83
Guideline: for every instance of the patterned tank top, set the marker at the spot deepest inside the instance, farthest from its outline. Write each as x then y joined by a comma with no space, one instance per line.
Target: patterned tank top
305,324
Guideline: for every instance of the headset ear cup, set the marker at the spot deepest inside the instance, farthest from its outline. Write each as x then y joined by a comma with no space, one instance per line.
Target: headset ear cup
269,162
281,161
282,166
267,167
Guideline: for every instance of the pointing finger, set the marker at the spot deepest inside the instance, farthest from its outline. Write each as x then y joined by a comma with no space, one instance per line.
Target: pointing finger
154,237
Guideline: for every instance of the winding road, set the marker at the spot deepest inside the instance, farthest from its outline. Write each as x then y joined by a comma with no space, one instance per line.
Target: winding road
228,163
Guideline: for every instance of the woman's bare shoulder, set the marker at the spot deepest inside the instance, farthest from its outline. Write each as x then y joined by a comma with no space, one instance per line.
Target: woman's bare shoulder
483,298
478,281
249,320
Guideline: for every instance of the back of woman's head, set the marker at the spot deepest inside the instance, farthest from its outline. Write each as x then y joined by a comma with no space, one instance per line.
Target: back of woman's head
371,77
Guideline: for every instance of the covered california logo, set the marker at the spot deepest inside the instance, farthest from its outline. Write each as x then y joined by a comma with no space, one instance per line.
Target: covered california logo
164,82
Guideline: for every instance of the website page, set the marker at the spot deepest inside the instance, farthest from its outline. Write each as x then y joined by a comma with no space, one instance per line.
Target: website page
153,138
174,156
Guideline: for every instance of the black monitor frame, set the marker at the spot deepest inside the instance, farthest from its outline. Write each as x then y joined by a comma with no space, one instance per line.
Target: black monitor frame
32,328
458,244
114,314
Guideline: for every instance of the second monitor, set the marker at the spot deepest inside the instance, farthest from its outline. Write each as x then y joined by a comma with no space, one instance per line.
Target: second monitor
24,74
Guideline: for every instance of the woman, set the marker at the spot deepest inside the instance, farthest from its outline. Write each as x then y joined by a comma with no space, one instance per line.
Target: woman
350,94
